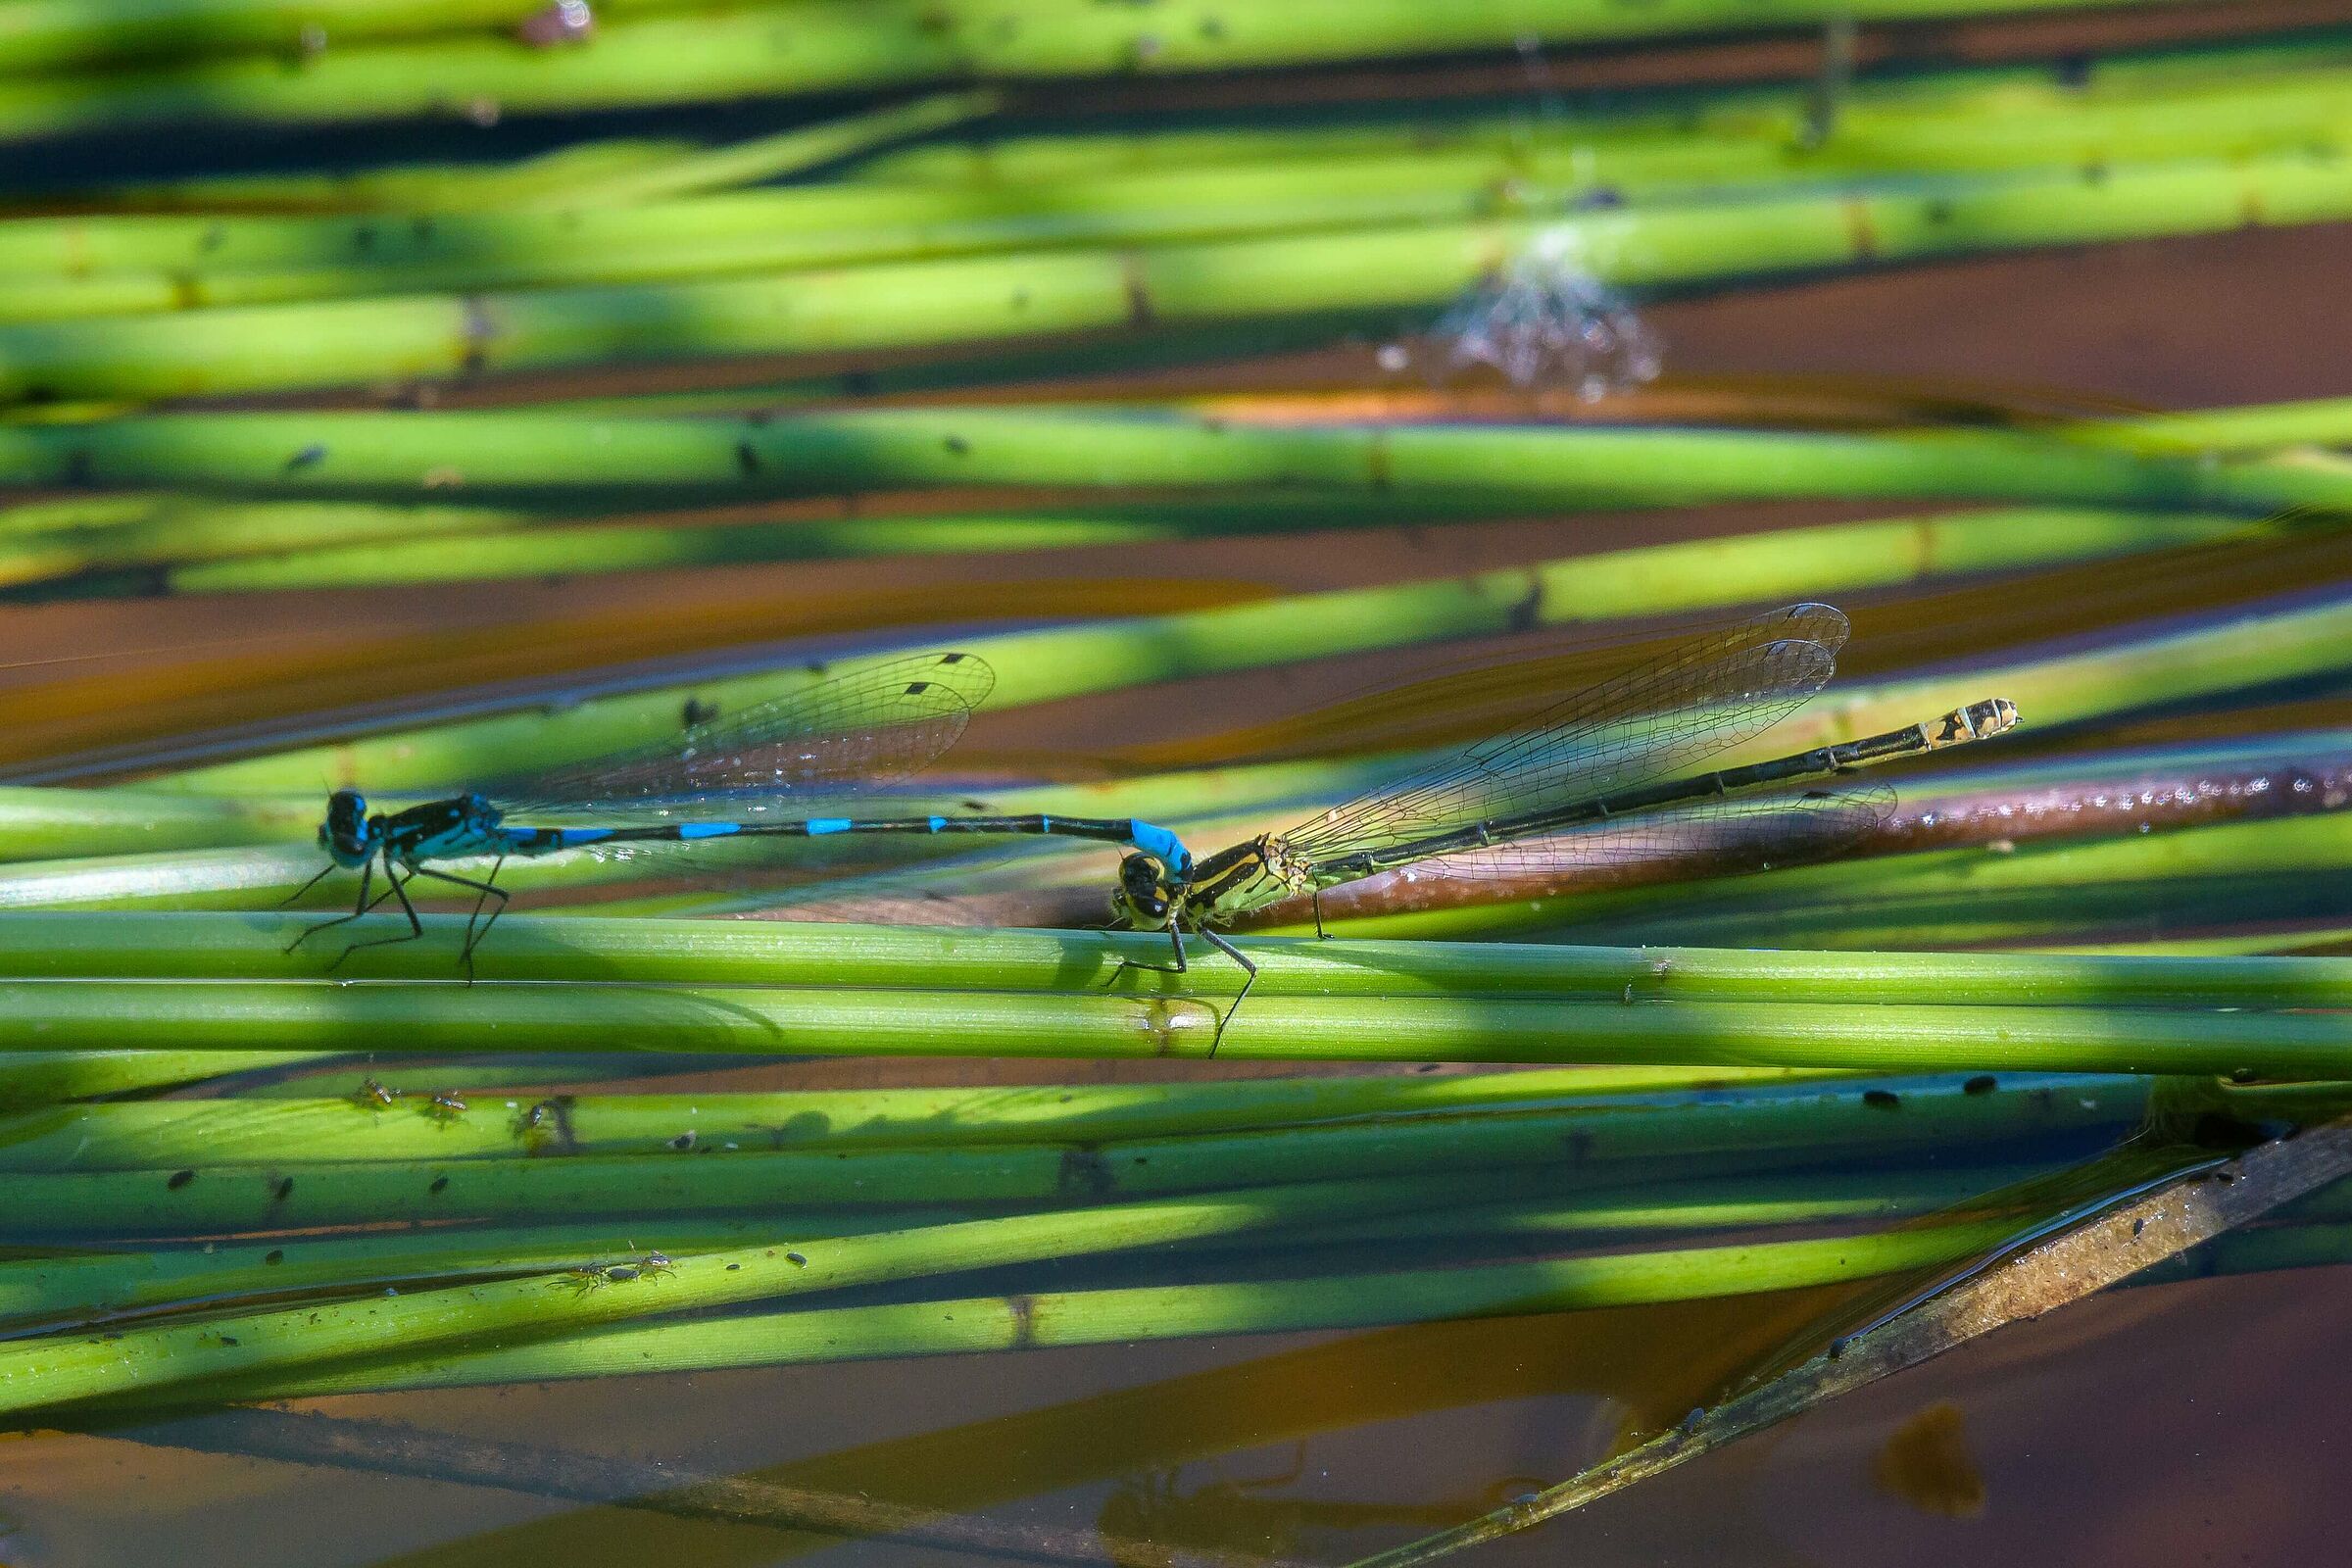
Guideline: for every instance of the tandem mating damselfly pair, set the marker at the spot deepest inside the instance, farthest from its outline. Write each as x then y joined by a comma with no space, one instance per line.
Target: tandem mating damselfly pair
1602,775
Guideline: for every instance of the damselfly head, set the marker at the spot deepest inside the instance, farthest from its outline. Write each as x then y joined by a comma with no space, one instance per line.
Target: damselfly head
347,834
1145,895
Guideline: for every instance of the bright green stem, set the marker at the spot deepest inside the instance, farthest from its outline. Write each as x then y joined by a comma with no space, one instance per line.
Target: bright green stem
1983,100
426,1017
39,1078
787,152
40,34
2253,428
815,46
274,1130
1012,295
1174,1311
670,459
65,824
72,1288
411,188
171,529
253,262
212,547
1607,1138
47,1372
618,950
1822,559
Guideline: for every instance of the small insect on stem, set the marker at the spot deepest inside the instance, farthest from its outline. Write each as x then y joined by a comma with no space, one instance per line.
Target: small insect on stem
445,1105
540,1121
596,1276
374,1096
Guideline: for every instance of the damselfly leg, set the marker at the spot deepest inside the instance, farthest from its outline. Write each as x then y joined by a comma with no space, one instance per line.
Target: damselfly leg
365,903
485,890
400,887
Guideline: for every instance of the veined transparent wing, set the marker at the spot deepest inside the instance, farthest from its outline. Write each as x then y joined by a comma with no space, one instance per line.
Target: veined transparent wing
866,726
1650,723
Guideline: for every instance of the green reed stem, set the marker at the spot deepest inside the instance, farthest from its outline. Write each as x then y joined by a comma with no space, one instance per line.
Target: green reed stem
171,529
199,546
2254,428
1040,1320
1603,1138
1824,559
519,455
263,1131
618,950
425,1017
1024,295
72,823
46,1372
39,1078
787,152
815,226
835,45
1973,97
73,1287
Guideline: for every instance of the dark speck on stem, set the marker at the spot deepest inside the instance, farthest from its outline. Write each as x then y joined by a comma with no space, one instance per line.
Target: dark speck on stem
179,1179
1881,1099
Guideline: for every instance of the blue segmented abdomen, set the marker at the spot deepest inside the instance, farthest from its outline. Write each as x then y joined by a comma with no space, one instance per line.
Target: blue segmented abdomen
1162,846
